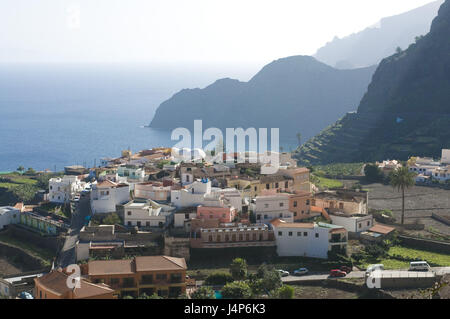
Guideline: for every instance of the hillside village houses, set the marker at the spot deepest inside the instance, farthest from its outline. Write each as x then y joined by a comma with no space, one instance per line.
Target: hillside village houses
388,166
62,190
427,168
144,213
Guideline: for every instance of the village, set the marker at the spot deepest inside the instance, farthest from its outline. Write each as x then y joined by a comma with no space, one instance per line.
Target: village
145,225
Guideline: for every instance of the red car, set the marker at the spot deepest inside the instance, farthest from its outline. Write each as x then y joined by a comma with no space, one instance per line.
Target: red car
337,273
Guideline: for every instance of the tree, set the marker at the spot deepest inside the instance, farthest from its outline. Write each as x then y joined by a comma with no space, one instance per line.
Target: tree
373,173
238,269
401,179
237,290
285,292
24,192
271,278
30,171
20,169
112,219
218,279
398,50
204,292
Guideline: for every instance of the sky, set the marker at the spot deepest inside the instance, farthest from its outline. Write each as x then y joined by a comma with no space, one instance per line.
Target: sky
180,31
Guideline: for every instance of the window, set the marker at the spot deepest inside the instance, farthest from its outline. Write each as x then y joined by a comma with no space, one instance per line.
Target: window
256,188
266,205
299,234
139,224
281,204
265,216
317,235
114,281
161,276
305,234
280,233
368,223
359,225
290,234
286,184
276,185
307,202
341,205
129,224
186,216
267,186
210,238
147,224
295,203
129,213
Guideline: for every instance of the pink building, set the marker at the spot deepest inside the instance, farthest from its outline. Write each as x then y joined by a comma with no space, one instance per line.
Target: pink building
223,214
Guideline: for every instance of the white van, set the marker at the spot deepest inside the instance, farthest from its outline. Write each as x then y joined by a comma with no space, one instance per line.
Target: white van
419,266
372,268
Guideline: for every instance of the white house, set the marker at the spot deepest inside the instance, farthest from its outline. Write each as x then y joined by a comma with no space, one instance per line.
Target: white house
267,208
63,189
106,195
201,193
132,173
441,174
8,215
153,191
308,240
144,214
353,223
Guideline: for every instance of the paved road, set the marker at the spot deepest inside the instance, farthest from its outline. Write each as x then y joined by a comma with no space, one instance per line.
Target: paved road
354,274
67,254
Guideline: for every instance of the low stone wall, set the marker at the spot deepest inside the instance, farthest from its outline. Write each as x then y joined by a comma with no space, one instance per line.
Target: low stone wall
53,243
20,257
427,244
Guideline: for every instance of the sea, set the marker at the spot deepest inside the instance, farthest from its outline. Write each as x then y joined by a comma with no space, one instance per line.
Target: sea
55,115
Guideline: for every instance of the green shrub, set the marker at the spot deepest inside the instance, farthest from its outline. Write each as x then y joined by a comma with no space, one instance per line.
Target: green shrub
218,279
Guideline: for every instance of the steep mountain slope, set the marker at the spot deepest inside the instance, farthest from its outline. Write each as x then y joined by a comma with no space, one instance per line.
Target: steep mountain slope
405,112
295,94
371,45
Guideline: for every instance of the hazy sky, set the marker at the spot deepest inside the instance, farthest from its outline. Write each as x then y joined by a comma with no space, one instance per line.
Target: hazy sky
173,31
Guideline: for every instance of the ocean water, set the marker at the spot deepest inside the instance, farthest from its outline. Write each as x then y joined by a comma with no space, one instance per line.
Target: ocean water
57,115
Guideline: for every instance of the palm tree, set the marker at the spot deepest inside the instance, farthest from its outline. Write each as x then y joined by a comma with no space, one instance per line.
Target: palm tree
402,179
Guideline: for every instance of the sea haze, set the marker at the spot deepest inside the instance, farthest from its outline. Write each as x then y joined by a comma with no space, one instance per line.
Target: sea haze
57,115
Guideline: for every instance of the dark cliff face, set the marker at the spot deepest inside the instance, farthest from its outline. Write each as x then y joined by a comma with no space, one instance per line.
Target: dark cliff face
371,45
295,94
406,110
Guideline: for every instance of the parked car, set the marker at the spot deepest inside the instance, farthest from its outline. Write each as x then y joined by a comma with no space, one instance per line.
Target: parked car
337,273
346,269
300,272
283,273
419,266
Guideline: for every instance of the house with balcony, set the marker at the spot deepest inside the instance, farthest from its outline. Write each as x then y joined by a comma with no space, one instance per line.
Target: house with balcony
354,224
106,195
145,213
308,239
62,190
267,208
236,236
163,275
